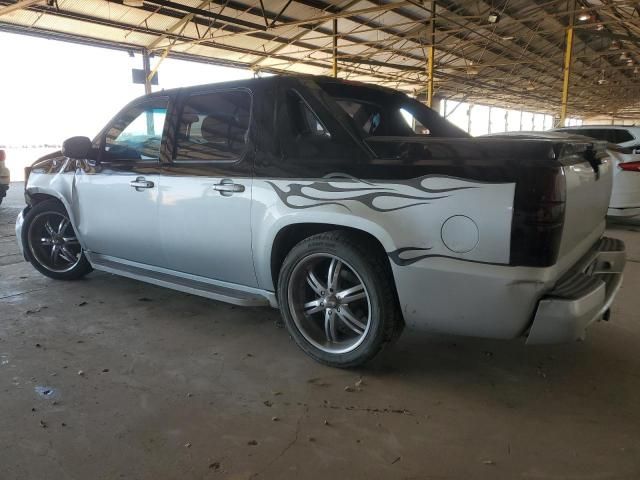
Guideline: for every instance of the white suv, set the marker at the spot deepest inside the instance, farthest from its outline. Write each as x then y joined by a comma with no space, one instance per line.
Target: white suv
4,177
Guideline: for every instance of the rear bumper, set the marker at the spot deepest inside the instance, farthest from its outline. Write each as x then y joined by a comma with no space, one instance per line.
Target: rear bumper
581,297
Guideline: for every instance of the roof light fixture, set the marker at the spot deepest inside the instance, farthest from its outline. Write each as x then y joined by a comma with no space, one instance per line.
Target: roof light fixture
584,15
602,80
493,17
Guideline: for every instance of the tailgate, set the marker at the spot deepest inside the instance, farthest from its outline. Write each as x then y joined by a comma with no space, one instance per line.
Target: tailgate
588,173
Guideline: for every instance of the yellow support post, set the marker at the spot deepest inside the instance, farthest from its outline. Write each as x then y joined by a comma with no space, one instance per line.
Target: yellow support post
431,56
335,48
567,68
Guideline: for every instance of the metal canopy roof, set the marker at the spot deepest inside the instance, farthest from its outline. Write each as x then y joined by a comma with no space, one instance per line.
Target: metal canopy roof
515,62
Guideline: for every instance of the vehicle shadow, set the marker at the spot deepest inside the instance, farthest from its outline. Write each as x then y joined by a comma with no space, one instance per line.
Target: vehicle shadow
601,363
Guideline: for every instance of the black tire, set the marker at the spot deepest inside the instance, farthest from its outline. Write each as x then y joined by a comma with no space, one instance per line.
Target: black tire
60,266
362,265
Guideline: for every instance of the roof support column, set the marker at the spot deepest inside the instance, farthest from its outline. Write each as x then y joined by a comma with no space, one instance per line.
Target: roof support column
146,66
431,56
567,66
335,48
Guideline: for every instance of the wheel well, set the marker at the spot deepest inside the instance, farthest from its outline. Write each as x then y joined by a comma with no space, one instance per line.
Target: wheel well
291,235
36,198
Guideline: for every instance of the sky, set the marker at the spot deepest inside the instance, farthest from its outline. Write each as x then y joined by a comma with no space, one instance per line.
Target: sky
52,90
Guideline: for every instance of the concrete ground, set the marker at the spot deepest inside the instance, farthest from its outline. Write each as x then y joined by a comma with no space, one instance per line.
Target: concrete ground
109,378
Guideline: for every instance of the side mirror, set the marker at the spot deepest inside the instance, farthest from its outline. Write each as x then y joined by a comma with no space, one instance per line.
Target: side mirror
76,147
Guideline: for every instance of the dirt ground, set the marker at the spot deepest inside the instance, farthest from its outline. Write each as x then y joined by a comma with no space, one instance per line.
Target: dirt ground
109,378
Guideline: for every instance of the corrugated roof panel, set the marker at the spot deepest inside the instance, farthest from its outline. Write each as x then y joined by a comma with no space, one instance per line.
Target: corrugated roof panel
522,53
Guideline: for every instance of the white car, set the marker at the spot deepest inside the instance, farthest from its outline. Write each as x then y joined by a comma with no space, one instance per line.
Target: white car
4,176
625,193
625,196
627,137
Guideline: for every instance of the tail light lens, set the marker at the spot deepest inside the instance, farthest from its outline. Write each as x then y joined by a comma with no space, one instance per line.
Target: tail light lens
630,166
3,156
538,217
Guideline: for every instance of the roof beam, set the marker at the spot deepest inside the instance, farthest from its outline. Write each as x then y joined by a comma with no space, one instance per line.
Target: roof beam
177,26
19,5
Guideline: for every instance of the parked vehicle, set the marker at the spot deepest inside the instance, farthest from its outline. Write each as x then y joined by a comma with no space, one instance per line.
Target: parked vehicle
624,150
626,136
318,196
4,176
625,193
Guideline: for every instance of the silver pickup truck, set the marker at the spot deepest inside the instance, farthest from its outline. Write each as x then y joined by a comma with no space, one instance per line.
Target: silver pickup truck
354,209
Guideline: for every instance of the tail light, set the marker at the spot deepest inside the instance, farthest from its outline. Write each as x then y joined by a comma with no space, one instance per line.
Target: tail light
538,216
630,166
3,156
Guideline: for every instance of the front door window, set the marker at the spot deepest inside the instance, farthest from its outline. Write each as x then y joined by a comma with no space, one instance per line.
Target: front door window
136,134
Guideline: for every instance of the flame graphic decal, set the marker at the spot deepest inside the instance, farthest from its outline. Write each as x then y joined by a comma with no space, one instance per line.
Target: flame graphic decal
381,197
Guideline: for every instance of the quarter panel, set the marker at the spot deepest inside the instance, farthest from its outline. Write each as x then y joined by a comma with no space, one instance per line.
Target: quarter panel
405,216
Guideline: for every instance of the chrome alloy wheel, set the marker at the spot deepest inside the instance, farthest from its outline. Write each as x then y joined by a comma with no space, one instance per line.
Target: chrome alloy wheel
53,243
329,303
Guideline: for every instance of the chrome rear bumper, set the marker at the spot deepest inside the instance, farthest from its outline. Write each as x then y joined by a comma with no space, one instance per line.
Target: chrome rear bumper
581,297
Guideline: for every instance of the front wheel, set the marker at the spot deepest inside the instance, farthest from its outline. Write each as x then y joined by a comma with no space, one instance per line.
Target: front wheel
51,242
338,299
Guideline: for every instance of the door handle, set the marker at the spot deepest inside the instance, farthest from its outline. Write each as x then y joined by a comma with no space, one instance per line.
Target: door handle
140,183
226,187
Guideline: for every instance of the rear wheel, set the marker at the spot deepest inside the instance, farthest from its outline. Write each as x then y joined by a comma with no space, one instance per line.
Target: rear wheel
337,299
51,242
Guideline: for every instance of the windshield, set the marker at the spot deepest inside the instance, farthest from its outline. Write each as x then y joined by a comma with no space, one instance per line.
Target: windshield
380,113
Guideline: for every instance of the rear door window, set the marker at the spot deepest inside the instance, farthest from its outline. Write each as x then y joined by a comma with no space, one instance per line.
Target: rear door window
214,126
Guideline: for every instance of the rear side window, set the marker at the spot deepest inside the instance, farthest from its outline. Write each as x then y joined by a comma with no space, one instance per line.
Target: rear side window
379,112
374,120
600,134
214,126
304,120
621,136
